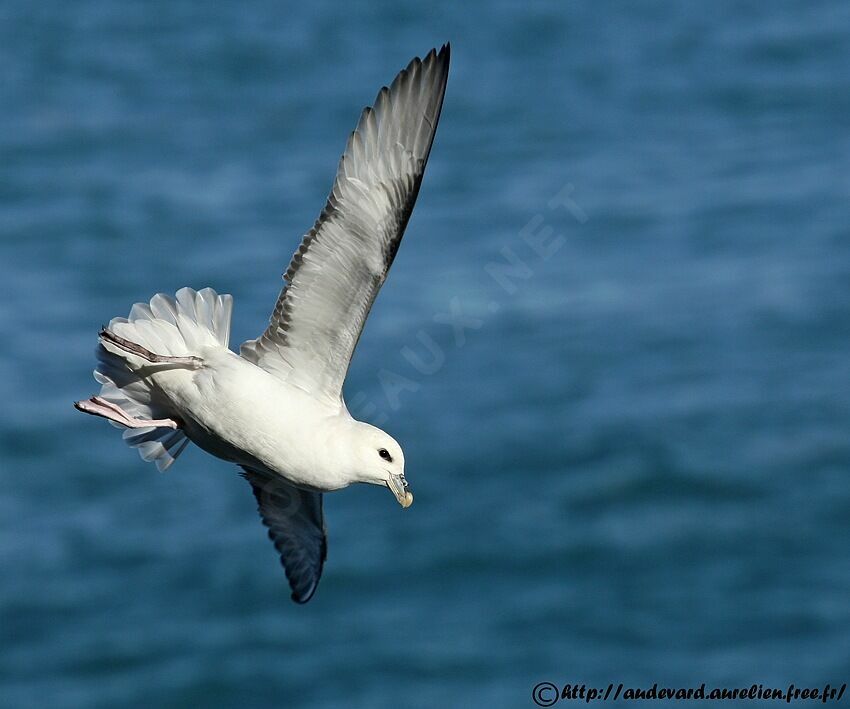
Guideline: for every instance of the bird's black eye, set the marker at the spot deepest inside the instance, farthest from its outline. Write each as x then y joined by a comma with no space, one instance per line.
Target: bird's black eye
385,454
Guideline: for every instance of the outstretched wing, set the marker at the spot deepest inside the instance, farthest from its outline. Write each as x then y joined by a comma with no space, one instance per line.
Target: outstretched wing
297,528
342,262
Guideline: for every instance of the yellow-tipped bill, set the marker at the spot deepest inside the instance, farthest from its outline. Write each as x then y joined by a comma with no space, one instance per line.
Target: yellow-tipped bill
398,486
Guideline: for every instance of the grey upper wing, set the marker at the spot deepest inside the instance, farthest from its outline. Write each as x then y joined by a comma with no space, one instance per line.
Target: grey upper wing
296,527
342,262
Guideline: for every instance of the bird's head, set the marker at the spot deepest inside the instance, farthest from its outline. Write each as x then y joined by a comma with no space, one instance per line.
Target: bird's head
380,461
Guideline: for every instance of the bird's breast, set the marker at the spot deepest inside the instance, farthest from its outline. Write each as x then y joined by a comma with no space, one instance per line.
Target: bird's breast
238,412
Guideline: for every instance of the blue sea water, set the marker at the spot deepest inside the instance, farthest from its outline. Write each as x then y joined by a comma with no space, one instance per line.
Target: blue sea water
629,450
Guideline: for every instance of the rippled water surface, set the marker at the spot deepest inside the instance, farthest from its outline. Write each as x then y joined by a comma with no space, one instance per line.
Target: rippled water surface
631,463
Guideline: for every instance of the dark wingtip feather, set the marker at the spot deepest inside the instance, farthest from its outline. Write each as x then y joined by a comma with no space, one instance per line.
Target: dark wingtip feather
442,57
299,596
301,600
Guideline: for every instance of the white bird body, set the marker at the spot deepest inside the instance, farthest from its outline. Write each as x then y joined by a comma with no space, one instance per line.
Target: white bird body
241,413
276,409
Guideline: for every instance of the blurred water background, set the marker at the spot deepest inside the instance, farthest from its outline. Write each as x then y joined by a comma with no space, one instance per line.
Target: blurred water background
633,467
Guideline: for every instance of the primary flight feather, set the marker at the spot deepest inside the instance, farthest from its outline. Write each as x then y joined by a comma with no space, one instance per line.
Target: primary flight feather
168,377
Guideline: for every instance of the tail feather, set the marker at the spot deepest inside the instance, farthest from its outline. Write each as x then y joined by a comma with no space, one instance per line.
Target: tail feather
168,326
157,445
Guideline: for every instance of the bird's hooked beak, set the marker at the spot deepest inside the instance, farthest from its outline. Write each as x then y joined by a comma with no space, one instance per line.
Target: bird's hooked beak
398,486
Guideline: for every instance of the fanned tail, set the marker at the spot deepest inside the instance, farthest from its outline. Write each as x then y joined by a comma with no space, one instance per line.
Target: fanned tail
168,326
